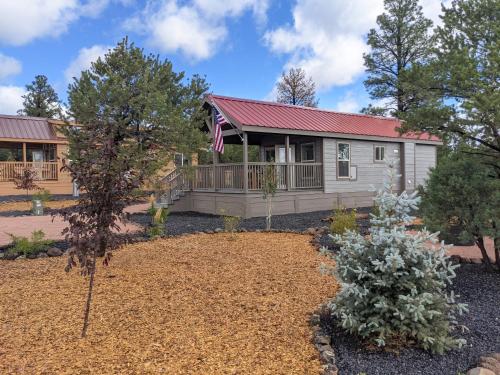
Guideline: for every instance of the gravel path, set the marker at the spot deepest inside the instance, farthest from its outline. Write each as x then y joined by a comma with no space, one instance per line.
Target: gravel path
481,291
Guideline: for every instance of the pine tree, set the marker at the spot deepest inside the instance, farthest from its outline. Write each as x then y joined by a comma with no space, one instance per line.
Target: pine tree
41,100
462,89
460,191
402,39
135,111
296,88
393,287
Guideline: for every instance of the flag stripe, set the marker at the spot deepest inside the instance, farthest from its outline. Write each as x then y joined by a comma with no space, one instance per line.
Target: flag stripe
218,138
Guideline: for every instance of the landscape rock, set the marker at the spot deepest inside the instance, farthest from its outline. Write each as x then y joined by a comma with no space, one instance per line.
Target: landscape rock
21,257
218,230
328,356
323,340
54,252
490,362
331,370
480,371
310,231
42,255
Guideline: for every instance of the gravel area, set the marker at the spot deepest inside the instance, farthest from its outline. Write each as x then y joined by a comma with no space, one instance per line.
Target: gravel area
480,290
190,222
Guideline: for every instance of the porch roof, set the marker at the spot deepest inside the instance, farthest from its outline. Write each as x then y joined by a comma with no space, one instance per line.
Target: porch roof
26,128
278,117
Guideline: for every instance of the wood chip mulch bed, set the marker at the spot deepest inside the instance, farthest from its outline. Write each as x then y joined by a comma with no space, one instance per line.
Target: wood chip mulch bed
27,205
197,304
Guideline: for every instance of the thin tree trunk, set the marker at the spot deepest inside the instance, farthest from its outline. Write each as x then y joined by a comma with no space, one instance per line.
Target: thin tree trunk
269,210
89,297
496,243
484,253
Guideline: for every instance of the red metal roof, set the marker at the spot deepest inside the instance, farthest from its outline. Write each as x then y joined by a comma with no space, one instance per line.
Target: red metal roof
16,127
283,116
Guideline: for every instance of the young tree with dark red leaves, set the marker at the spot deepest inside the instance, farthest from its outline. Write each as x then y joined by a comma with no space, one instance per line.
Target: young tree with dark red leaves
26,181
134,110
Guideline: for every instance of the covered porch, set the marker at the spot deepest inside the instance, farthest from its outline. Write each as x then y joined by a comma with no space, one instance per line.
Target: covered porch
17,156
295,161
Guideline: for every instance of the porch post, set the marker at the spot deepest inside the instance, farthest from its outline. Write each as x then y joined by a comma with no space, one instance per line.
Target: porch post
245,162
215,156
24,152
287,160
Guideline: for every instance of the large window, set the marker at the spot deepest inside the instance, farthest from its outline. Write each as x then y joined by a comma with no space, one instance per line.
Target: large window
344,160
379,153
307,152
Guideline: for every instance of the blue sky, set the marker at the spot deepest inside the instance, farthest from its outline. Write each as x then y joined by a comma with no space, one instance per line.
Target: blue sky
241,46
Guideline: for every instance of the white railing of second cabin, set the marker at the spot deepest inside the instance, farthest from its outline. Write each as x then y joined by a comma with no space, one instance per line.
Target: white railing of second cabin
231,176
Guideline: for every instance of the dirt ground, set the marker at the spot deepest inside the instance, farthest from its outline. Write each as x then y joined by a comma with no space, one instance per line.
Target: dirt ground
27,205
199,304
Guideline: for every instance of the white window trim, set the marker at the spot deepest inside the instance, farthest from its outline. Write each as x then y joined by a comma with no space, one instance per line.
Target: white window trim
375,153
349,161
302,159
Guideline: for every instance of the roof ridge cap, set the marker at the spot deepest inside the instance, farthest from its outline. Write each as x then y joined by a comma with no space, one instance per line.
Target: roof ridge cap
18,117
276,104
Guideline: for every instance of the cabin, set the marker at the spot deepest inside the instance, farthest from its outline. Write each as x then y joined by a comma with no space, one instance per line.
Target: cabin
321,160
35,143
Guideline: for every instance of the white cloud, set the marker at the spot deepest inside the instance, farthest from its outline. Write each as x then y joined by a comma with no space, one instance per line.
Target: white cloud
9,66
83,61
196,29
26,20
348,104
328,38
10,99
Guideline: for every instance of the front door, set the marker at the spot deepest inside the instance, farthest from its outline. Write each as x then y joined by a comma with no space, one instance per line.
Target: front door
37,156
280,152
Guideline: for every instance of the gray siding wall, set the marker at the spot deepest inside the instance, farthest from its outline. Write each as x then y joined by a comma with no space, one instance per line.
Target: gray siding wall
369,172
252,204
409,166
425,158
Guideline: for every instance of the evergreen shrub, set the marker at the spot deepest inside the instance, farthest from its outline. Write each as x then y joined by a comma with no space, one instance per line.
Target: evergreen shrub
394,290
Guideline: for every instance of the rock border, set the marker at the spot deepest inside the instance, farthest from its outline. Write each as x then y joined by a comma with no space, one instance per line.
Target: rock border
323,341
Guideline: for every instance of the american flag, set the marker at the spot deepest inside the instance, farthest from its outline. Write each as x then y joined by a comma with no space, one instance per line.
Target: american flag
218,139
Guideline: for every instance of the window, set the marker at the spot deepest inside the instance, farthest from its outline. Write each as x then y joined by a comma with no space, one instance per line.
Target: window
379,153
344,160
269,154
307,152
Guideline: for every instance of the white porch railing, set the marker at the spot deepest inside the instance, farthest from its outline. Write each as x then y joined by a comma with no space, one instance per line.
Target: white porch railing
230,177
44,170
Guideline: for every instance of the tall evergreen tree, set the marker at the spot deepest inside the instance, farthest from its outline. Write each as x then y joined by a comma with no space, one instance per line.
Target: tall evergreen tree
296,88
135,111
41,100
402,39
462,85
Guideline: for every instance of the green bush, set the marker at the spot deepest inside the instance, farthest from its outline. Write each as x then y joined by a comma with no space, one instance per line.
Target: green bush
158,219
29,246
42,195
231,223
343,220
394,291
461,200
